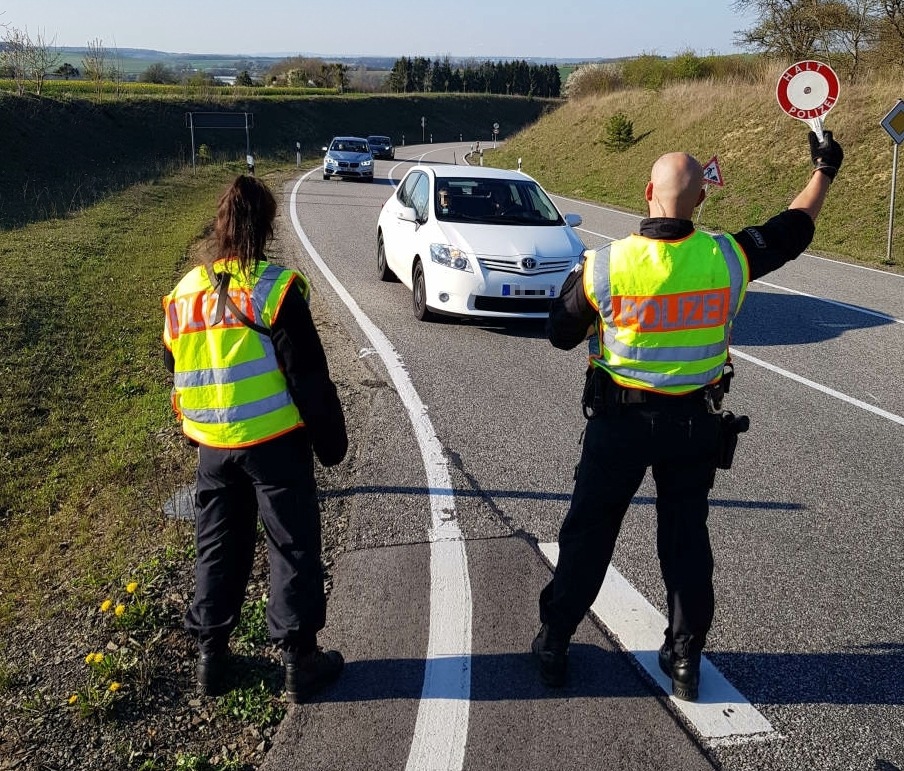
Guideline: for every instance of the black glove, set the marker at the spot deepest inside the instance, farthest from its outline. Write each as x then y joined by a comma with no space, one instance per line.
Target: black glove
826,155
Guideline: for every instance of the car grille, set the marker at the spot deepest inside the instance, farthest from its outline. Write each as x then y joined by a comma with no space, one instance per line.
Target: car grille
512,304
347,165
513,265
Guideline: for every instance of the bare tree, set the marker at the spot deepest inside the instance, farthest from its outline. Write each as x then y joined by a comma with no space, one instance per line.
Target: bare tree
14,56
42,58
891,30
850,30
94,65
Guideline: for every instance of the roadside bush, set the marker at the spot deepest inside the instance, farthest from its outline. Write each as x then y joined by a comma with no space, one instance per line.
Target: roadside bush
647,71
595,78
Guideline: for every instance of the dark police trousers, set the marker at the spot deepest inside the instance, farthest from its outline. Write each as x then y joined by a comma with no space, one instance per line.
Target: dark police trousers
678,438
273,480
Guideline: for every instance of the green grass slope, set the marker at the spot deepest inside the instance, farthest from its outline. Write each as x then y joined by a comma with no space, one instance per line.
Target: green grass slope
763,155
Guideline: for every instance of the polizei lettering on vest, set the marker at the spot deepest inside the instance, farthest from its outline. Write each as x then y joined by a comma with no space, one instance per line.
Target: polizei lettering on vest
668,313
195,312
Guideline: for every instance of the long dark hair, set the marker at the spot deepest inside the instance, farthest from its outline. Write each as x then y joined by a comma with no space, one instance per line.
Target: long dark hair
244,224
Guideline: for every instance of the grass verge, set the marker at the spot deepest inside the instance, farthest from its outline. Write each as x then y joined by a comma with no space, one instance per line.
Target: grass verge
90,451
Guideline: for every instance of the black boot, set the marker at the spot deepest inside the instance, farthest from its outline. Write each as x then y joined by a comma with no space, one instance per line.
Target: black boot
211,672
684,671
307,673
551,650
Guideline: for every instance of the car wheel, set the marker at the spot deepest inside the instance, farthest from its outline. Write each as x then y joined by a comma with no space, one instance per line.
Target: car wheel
383,270
419,294
326,176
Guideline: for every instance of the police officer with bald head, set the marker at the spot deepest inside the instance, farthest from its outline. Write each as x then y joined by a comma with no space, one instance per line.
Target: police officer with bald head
658,308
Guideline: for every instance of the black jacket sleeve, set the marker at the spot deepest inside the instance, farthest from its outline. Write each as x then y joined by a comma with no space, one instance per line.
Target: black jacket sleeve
781,239
300,352
570,314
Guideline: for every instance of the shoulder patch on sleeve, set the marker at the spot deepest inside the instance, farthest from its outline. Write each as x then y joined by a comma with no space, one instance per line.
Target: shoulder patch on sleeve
756,237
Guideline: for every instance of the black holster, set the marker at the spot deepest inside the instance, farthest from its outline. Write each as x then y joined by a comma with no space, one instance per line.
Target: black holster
593,400
730,425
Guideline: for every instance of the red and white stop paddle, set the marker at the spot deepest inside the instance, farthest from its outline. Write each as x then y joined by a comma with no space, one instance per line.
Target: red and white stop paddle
807,91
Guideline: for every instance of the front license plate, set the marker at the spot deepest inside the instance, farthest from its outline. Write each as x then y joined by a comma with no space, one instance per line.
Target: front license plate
514,290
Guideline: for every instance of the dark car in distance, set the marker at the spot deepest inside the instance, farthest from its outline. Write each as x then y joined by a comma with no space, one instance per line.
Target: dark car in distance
381,146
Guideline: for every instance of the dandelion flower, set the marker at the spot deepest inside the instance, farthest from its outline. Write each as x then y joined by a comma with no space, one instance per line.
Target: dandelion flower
73,698
114,686
89,659
98,658
106,605
120,609
132,587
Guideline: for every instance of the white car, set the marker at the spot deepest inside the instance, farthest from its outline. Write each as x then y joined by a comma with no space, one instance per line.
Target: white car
476,241
348,157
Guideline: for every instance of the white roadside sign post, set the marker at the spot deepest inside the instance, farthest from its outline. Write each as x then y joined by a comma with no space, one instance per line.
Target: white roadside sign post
712,175
893,123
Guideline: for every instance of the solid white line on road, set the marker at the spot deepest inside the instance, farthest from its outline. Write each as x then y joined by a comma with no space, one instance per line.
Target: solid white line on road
441,729
846,306
819,387
721,711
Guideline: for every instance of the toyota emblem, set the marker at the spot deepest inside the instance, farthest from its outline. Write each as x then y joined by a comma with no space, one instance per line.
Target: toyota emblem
528,263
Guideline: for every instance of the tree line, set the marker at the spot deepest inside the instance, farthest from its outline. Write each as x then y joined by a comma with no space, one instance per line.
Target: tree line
418,75
852,35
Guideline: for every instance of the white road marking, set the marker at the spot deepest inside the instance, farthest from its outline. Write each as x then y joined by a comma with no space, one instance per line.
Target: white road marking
441,729
846,306
819,387
721,710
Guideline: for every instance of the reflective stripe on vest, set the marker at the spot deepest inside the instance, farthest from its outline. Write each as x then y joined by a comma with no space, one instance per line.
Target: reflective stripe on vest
663,329
229,390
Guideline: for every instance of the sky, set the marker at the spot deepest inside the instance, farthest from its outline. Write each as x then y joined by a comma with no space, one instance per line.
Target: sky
498,29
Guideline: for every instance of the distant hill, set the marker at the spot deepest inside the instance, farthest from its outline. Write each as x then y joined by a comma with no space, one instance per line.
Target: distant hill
133,61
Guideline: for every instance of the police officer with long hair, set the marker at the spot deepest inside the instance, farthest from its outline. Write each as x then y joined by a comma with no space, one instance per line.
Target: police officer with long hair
253,391
659,305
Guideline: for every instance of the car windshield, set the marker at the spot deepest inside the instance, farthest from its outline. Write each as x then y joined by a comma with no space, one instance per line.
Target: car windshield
350,146
494,202
378,140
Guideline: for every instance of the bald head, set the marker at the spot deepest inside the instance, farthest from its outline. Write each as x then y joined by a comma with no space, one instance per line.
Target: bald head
675,186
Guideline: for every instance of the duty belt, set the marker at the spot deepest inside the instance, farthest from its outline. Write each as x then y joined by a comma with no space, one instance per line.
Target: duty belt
621,395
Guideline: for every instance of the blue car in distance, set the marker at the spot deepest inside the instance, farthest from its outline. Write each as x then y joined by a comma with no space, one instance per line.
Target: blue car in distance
381,146
348,157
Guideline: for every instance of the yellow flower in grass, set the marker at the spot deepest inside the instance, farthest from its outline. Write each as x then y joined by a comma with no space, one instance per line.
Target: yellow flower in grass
114,686
98,658
73,698
120,609
89,659
132,587
106,605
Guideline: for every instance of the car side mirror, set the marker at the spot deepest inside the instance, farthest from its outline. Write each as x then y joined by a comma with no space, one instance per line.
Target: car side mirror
573,220
408,214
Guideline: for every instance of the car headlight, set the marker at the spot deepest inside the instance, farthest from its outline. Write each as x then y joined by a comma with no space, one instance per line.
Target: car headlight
328,160
367,163
450,256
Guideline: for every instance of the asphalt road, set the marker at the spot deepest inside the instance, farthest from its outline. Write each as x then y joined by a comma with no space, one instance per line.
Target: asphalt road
467,466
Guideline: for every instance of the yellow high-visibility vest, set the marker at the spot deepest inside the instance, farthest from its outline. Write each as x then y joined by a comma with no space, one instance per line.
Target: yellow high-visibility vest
666,309
228,389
